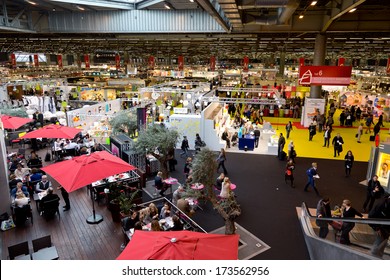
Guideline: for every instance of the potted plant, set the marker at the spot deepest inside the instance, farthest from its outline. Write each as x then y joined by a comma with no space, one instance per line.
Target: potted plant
126,204
113,198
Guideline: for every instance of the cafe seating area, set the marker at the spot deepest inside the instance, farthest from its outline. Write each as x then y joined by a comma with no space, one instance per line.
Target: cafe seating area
42,249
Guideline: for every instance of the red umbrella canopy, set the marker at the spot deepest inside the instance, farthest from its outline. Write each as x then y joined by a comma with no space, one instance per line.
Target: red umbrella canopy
54,131
10,122
180,245
80,171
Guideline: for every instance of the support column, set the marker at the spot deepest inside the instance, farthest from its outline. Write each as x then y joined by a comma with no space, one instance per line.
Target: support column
5,200
282,62
319,59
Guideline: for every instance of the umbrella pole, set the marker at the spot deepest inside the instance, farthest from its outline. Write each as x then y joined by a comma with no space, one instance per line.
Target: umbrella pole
95,218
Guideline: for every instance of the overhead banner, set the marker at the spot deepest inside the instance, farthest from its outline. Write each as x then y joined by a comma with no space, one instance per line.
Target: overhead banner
13,60
246,64
151,62
388,66
36,60
117,61
325,75
212,63
181,63
59,61
86,60
341,61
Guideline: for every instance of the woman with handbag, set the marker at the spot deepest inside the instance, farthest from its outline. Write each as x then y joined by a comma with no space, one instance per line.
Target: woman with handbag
288,174
348,212
348,161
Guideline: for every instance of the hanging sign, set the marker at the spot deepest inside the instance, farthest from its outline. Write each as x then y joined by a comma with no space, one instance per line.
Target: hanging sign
13,60
86,60
325,75
301,61
36,60
181,62
151,62
246,64
341,61
212,63
117,61
59,61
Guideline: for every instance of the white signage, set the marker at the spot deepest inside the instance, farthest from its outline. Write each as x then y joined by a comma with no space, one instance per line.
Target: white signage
180,110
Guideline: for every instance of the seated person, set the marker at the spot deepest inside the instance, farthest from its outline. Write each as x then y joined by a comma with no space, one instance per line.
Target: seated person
13,181
159,184
177,194
21,199
155,226
21,172
129,222
138,226
34,161
84,151
13,165
184,206
153,211
50,196
43,185
96,148
36,176
19,187
165,211
71,145
219,181
177,224
144,216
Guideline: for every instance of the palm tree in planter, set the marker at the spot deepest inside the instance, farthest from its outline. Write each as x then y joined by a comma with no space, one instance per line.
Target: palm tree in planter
127,204
204,167
158,141
124,122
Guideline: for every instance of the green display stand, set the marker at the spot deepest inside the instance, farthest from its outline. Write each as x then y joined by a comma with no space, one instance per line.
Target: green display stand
281,113
108,141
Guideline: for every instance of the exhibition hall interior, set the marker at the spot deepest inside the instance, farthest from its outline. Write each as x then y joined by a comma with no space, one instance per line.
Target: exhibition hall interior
195,129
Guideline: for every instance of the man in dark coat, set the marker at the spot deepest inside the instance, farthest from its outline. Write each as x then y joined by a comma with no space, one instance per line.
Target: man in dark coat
374,191
381,211
323,211
281,143
337,143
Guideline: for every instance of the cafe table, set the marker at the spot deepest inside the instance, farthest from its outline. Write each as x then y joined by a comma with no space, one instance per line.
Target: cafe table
49,253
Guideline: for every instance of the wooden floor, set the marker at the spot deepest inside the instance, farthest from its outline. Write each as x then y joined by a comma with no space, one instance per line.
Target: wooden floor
72,236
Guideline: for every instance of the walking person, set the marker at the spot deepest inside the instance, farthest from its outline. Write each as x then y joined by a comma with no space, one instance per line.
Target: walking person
256,133
359,132
292,154
289,172
184,146
281,143
369,122
374,191
323,211
377,128
187,167
327,135
348,212
65,196
330,122
225,136
348,162
312,131
221,161
337,143
288,129
311,175
321,122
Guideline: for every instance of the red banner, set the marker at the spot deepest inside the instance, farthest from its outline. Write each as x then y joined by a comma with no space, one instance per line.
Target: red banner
86,60
181,63
13,60
212,63
59,61
388,66
341,61
117,61
151,62
301,61
246,64
36,60
325,75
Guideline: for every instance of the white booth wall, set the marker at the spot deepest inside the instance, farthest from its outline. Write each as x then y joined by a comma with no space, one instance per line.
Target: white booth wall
208,131
186,125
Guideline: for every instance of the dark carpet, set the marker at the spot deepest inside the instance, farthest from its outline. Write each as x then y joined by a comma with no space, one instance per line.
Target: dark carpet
268,204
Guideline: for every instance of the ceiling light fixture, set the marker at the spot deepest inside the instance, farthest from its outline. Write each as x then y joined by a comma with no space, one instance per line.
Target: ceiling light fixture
192,1
300,16
31,2
80,8
313,3
352,10
167,6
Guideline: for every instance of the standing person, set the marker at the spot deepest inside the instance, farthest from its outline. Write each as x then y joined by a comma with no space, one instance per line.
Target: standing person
291,151
311,174
342,118
312,131
329,122
65,196
332,110
359,132
187,167
221,161
256,133
40,119
184,146
323,211
289,172
348,212
374,191
348,161
358,113
337,143
226,190
288,129
327,135
281,143
381,211
198,142
321,122
225,136
369,122
380,121
219,181
377,128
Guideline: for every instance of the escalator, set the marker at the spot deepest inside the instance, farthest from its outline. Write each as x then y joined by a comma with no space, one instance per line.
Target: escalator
362,237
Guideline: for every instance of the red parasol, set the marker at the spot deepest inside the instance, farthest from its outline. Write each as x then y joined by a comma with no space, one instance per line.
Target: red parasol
180,245
10,122
54,131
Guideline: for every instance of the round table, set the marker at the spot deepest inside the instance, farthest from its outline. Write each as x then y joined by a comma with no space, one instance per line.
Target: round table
170,181
197,186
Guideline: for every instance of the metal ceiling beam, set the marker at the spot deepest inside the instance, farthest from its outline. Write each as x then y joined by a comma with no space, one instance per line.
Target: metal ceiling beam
121,5
146,3
215,10
339,10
